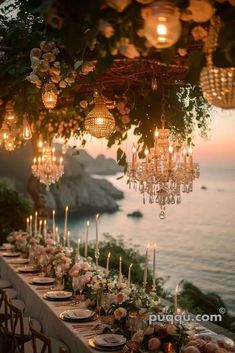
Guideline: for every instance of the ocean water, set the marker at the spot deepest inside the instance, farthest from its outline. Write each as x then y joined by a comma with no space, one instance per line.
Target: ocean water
196,241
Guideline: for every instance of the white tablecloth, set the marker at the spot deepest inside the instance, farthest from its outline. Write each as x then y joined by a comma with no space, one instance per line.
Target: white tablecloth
44,311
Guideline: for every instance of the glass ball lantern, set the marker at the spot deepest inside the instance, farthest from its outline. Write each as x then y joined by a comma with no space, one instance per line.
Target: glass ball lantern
162,25
100,122
49,95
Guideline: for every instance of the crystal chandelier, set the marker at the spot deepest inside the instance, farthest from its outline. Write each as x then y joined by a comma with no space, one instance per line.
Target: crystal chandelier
47,167
100,122
165,171
49,95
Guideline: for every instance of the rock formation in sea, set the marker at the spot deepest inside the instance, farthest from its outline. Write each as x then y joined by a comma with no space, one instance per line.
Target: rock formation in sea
78,189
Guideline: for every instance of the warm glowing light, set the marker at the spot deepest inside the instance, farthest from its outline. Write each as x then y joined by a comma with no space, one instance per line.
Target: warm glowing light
161,29
49,95
146,152
27,133
156,133
100,121
171,149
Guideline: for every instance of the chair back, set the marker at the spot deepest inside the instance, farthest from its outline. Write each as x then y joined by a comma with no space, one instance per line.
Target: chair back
3,304
16,329
37,335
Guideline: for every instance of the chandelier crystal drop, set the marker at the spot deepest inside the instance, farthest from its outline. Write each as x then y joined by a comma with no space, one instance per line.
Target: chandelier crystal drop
49,95
100,122
47,167
164,173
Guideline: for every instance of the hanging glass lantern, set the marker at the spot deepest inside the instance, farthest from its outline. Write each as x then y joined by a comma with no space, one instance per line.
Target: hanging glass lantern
162,24
217,83
49,95
27,133
100,122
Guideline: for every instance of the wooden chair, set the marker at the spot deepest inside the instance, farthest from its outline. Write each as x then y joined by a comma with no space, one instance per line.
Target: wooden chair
42,344
17,328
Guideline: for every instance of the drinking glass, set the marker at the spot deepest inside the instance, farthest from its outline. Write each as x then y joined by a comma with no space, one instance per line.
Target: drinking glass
106,302
59,273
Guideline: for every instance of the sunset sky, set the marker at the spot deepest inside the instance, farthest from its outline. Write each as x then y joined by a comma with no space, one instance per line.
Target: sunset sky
218,151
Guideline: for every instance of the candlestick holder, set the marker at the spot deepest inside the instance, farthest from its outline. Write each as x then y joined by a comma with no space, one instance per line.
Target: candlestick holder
97,255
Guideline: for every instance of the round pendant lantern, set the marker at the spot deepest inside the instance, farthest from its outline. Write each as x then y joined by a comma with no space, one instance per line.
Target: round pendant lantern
162,26
217,83
49,95
100,122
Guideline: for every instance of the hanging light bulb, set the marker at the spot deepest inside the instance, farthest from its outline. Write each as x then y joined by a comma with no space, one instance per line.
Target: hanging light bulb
27,133
100,122
162,25
49,95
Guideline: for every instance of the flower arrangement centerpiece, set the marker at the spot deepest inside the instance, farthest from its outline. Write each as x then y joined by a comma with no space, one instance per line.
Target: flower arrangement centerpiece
164,337
22,241
51,255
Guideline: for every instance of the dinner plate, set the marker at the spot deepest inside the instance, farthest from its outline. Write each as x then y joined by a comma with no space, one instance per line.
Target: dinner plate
43,280
58,294
78,314
28,269
93,345
78,320
216,337
109,340
18,261
6,246
11,254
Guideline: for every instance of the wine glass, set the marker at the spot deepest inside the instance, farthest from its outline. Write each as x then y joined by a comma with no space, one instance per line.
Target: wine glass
75,286
59,273
106,302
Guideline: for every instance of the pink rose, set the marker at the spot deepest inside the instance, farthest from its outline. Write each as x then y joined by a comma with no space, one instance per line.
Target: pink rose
129,50
120,297
118,5
154,344
120,313
171,330
106,28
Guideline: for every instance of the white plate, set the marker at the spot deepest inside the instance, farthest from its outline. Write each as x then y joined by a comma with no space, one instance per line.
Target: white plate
109,340
19,261
58,294
11,254
28,269
43,280
78,314
215,337
7,246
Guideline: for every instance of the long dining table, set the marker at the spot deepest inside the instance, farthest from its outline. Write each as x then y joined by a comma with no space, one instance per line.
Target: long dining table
47,312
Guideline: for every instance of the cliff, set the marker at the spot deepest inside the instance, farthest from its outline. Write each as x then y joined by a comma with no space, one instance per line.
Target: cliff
77,188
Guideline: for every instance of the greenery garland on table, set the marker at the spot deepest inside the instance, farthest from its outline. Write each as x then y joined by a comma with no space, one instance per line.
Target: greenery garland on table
109,39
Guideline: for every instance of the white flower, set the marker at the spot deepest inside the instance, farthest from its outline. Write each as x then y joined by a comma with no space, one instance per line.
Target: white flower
106,28
118,5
